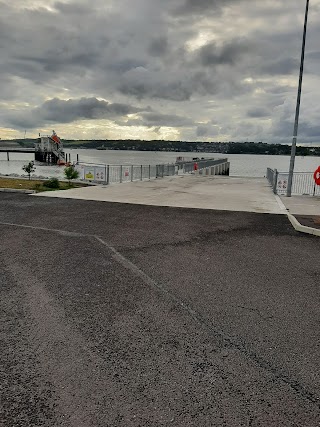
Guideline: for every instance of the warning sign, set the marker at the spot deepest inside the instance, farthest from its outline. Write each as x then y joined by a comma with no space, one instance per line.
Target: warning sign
89,174
282,184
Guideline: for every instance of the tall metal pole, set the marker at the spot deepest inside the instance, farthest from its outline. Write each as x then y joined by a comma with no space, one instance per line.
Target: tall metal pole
296,122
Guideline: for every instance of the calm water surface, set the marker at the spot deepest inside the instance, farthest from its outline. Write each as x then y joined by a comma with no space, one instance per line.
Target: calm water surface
241,164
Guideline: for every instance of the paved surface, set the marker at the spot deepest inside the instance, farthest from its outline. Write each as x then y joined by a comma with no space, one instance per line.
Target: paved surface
309,220
224,193
128,315
302,205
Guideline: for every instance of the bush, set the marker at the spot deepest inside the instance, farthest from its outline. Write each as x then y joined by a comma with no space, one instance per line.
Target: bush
37,187
52,183
71,173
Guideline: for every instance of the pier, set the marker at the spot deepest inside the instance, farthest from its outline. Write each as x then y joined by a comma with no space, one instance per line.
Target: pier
47,149
16,150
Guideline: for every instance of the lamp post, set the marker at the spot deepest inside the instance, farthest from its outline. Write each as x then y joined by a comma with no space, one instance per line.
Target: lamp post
296,122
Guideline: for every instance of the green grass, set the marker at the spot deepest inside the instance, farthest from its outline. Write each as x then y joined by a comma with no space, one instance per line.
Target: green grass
34,184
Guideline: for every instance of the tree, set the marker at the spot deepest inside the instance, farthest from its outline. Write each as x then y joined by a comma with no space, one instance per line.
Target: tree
71,173
29,168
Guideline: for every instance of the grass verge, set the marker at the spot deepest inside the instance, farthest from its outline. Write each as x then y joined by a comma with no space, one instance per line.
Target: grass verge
34,184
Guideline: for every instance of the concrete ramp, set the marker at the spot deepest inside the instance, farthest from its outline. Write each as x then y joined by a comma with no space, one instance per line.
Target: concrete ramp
188,191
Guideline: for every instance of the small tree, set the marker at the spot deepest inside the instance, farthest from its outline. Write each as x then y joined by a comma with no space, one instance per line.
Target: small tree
29,168
71,173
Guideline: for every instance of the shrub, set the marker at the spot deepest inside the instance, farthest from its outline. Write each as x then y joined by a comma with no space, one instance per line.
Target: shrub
71,173
52,183
37,187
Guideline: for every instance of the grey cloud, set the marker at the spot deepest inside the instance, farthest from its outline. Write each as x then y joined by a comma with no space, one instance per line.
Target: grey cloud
279,89
181,85
258,112
100,49
74,8
308,132
283,66
157,119
125,65
85,54
158,46
57,110
68,111
141,83
313,55
206,131
229,53
201,7
58,60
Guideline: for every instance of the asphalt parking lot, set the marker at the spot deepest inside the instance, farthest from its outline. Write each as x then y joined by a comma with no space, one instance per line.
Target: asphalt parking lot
130,315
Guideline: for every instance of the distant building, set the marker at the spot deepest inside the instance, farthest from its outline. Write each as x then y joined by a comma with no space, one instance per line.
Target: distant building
49,149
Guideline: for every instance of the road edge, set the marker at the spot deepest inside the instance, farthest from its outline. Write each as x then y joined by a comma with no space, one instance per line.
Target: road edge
16,190
295,223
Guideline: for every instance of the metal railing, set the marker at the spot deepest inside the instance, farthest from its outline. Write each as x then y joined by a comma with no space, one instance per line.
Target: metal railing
302,183
111,174
188,167
272,177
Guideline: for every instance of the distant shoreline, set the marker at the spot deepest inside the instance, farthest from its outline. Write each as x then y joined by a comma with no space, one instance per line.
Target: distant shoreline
225,148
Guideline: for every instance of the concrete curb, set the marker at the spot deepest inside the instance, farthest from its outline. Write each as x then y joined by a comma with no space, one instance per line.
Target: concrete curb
295,223
302,228
16,190
281,205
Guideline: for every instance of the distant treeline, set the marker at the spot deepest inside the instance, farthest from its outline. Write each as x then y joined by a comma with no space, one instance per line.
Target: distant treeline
194,147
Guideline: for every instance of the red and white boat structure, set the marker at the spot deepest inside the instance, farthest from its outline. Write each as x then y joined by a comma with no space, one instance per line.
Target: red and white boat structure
49,149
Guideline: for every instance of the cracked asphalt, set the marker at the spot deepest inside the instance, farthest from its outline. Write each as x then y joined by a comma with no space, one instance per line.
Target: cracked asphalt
129,315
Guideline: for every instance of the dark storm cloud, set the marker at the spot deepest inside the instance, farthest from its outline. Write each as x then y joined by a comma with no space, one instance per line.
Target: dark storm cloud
149,50
68,111
229,53
141,83
57,110
98,52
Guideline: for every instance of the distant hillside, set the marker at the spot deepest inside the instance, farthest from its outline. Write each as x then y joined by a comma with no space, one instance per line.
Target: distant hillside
9,144
180,146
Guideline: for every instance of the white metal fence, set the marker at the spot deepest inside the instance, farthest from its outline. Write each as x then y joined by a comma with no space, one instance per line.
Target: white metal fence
202,164
111,174
302,183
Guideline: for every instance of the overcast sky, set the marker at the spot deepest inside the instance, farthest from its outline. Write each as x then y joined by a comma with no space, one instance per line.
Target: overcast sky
214,70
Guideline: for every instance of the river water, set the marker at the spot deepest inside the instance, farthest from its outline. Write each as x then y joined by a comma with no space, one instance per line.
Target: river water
249,165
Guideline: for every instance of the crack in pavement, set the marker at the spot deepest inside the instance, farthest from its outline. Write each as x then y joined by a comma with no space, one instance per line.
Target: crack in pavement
225,341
